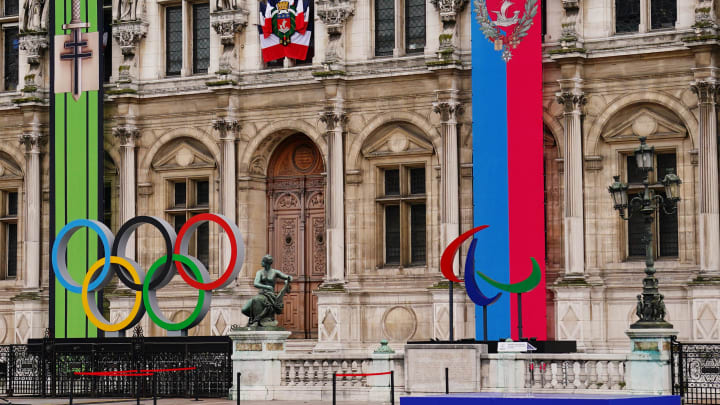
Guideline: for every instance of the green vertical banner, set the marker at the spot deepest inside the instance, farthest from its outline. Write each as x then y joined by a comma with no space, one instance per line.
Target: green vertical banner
76,154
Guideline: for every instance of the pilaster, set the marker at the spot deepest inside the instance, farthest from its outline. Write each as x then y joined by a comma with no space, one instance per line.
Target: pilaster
33,141
127,136
334,118
449,108
572,99
709,214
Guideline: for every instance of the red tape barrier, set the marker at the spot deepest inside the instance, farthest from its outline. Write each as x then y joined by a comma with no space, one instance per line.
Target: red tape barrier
131,373
363,375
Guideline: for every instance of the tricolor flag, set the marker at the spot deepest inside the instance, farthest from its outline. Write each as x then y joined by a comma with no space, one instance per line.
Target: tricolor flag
508,189
285,29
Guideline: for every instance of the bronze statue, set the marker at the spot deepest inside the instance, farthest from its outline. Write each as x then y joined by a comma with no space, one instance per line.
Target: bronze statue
262,308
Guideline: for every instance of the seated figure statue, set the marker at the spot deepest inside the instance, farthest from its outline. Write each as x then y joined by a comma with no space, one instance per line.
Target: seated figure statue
262,308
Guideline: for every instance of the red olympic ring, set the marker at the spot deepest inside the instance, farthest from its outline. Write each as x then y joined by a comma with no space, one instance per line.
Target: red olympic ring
233,249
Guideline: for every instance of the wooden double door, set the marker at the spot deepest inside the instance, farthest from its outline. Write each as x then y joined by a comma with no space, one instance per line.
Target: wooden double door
296,204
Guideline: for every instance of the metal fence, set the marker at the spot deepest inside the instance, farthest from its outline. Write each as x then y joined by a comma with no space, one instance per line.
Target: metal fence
43,367
696,372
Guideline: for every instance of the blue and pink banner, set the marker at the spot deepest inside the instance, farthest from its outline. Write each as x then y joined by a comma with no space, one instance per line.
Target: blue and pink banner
508,188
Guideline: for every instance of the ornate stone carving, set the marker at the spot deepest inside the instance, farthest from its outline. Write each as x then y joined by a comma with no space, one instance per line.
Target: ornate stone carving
334,14
257,166
127,10
706,90
227,129
127,135
32,141
572,101
569,37
448,109
333,118
705,20
449,9
128,35
35,16
228,21
34,46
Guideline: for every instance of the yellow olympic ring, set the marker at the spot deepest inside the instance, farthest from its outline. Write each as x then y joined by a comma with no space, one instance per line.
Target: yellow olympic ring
92,311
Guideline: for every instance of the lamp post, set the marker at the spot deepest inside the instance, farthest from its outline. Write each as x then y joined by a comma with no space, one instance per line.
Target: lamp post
650,307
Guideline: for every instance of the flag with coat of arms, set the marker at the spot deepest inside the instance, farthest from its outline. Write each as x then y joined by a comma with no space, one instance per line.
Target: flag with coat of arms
285,29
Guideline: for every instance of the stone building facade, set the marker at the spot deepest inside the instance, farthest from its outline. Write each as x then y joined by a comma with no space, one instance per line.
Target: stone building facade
355,168
352,168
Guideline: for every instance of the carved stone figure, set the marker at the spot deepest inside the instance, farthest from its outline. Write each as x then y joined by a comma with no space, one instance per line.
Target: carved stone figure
225,4
34,16
127,10
262,308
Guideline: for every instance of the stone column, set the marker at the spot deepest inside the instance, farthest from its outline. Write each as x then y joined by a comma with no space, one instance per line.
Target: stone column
227,134
127,135
334,119
573,100
708,176
32,142
449,108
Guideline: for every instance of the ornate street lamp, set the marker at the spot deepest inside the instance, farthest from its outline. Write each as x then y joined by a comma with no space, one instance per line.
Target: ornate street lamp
650,307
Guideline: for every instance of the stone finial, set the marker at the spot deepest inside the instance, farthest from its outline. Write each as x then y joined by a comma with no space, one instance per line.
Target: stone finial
384,348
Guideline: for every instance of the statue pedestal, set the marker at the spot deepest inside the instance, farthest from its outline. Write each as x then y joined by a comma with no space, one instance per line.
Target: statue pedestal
256,354
648,366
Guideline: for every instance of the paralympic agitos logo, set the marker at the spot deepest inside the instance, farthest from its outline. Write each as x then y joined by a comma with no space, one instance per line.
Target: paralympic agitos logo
158,275
473,291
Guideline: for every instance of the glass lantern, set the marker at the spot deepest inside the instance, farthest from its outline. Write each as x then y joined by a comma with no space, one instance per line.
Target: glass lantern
672,185
644,156
618,191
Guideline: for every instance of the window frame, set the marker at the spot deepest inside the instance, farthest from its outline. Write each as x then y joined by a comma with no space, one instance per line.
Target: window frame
400,47
190,208
8,23
5,221
658,188
645,23
165,8
191,39
405,200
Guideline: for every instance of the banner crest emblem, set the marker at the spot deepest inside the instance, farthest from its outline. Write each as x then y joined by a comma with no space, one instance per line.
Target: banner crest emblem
492,29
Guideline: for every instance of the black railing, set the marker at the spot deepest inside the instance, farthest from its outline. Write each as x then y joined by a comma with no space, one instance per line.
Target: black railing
43,367
695,372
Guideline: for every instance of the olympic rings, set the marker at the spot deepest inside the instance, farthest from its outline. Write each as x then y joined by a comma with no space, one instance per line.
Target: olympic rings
159,275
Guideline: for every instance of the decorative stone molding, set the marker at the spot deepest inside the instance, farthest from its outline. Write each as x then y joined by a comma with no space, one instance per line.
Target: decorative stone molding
334,14
593,162
227,129
227,22
127,135
34,16
448,110
705,19
706,90
570,38
127,10
333,118
34,45
449,9
572,101
128,35
32,141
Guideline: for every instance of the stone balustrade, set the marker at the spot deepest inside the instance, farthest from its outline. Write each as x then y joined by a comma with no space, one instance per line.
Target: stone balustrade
312,370
573,372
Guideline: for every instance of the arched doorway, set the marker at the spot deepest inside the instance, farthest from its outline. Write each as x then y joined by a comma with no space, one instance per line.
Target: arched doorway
296,233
